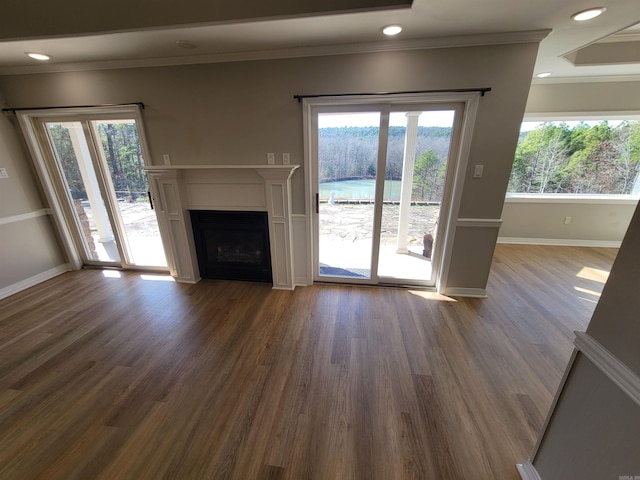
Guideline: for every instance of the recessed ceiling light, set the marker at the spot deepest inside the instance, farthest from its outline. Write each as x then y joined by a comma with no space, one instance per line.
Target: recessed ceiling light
588,14
38,56
392,30
543,74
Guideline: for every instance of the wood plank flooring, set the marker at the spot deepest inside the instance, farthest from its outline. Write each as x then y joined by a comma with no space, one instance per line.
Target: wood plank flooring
135,378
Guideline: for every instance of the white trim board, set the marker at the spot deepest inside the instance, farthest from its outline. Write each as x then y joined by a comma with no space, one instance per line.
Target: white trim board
566,198
465,292
527,471
619,373
25,216
34,280
561,242
479,222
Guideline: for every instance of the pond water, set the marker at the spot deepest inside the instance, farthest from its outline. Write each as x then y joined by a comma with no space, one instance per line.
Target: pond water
360,189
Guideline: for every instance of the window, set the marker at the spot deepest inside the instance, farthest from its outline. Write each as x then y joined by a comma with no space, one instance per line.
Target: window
584,156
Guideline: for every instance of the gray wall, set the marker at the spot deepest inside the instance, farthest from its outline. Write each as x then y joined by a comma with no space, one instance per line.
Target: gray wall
593,222
594,431
234,113
28,246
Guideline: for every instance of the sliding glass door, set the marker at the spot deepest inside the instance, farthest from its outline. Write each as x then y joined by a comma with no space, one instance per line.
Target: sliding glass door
382,181
93,166
347,162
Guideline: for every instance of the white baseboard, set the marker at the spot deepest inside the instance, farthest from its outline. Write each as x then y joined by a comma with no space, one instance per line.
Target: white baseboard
527,471
35,280
300,281
466,292
561,242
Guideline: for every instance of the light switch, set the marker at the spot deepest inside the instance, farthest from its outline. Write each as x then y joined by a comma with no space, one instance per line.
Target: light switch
3,173
271,158
478,171
166,159
286,159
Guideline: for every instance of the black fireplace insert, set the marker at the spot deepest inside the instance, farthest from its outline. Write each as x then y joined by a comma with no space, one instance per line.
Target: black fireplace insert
232,245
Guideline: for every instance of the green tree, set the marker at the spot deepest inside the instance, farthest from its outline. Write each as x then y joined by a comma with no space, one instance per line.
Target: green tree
63,148
426,176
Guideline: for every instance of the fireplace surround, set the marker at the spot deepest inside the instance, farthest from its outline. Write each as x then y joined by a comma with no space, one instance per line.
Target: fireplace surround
177,189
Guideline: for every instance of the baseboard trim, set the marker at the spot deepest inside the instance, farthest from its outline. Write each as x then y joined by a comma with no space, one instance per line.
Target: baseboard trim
301,282
465,292
35,280
619,373
561,242
527,471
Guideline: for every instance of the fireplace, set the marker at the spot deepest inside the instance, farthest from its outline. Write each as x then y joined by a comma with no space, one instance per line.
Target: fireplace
181,189
232,245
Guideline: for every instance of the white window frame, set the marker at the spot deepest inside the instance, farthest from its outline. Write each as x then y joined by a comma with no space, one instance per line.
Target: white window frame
586,198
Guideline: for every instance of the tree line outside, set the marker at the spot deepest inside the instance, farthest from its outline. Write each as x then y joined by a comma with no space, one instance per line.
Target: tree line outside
348,153
121,146
583,159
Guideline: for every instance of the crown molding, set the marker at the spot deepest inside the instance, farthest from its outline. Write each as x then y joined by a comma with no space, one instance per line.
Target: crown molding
586,79
530,36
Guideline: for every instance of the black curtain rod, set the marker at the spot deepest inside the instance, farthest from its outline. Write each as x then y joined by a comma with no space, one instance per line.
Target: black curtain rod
482,91
14,110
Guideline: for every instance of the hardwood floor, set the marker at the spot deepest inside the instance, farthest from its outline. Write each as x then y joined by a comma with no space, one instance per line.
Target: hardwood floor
133,378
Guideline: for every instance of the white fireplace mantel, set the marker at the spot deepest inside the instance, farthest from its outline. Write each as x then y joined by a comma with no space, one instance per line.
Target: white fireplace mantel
180,188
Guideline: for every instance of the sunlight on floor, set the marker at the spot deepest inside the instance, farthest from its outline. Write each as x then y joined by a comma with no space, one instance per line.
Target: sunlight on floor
594,274
587,291
432,296
157,278
111,274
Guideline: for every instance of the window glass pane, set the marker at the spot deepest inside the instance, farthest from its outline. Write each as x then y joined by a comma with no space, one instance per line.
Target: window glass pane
347,158
577,157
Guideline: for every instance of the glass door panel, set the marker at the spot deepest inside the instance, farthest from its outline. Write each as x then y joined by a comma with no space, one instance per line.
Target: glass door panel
88,208
119,149
347,164
417,157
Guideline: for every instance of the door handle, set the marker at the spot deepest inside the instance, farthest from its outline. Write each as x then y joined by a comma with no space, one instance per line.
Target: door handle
150,199
317,203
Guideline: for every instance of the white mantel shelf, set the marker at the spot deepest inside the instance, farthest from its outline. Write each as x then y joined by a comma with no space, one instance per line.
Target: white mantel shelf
180,188
283,168
180,167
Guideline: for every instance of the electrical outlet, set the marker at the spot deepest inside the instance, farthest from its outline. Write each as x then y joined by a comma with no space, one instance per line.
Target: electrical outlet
3,173
271,158
567,220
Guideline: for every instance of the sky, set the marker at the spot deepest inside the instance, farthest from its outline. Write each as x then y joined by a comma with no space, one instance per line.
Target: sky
528,126
441,118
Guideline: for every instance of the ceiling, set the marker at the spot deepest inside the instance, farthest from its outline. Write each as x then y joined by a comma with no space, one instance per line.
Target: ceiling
79,35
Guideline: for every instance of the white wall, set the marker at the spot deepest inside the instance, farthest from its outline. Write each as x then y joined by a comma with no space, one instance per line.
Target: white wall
234,113
593,223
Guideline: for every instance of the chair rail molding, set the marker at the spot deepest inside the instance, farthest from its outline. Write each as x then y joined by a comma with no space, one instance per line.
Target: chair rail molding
25,216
